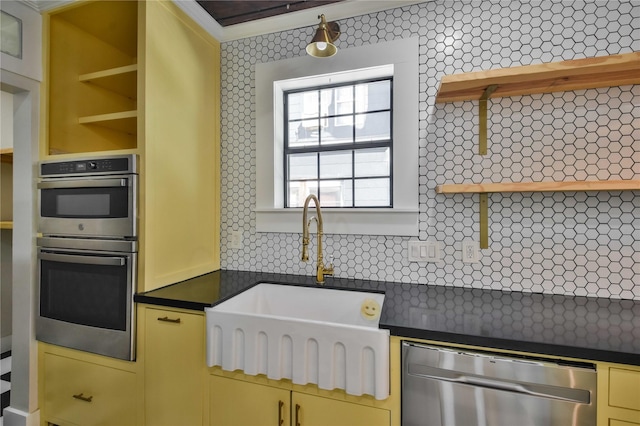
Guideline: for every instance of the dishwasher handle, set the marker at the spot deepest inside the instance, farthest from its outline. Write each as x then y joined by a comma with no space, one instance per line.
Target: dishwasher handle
531,389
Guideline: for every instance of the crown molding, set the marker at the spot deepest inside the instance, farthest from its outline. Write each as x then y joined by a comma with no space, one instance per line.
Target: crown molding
288,21
202,18
44,5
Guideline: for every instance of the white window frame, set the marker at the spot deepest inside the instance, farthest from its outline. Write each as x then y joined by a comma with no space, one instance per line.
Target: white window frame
398,58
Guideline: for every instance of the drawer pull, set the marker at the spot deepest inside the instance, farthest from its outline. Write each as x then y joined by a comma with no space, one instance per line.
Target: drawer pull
83,398
297,414
172,320
280,419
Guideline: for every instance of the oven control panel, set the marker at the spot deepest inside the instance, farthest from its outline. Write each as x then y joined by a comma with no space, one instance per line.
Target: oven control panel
95,166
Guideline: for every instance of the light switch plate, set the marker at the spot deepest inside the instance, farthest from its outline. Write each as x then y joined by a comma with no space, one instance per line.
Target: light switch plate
235,240
424,251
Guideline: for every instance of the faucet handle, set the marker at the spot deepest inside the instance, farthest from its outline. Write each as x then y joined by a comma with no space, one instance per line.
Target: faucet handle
329,270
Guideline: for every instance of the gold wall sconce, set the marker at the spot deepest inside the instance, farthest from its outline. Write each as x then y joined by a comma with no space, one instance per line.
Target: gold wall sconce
321,45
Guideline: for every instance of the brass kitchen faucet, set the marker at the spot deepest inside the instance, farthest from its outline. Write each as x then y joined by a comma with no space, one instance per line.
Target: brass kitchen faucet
321,269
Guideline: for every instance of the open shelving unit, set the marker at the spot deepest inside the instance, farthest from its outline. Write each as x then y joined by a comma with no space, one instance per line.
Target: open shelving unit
484,188
121,121
92,104
578,74
120,80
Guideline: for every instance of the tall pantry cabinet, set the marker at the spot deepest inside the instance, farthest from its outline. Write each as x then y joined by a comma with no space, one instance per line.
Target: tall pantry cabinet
141,77
133,77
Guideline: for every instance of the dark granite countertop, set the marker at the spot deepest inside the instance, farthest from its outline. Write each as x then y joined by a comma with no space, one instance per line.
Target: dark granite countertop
578,327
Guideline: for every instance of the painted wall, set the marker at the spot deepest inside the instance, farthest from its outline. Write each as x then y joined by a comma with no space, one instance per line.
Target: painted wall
6,214
21,77
582,243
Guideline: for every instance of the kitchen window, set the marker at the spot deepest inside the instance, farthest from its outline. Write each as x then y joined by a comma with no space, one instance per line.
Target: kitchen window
338,144
392,65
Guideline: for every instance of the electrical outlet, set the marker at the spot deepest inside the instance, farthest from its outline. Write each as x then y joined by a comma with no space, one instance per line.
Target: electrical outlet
235,240
470,252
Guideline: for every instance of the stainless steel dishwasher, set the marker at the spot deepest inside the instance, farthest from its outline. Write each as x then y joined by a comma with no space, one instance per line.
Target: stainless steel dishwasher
449,387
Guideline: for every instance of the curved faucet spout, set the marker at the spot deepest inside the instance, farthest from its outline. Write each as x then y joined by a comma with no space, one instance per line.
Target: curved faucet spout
321,269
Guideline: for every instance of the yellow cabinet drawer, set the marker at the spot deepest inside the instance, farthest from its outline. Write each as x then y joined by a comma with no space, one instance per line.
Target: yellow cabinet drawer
614,422
624,388
88,394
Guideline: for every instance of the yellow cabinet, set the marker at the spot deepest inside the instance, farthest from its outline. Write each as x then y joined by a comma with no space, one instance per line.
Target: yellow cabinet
239,403
618,395
310,410
77,390
142,77
174,367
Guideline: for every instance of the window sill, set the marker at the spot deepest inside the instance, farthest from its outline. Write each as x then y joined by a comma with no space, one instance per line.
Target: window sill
390,222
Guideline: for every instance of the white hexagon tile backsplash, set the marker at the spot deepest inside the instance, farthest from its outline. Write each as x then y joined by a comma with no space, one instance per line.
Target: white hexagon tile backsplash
575,243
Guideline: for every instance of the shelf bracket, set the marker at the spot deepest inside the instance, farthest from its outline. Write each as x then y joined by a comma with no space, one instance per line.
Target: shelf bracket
482,150
484,220
482,119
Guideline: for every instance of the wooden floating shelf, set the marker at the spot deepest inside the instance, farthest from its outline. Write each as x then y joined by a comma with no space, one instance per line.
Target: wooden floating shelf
6,155
125,121
6,225
577,74
122,80
480,188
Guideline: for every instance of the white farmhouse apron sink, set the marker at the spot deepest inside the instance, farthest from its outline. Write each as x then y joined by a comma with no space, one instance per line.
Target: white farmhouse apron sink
305,334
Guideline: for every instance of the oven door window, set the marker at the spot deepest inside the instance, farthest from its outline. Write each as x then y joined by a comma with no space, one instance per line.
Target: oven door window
97,203
88,294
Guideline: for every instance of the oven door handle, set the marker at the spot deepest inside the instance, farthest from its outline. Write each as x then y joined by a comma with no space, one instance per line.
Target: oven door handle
89,260
89,183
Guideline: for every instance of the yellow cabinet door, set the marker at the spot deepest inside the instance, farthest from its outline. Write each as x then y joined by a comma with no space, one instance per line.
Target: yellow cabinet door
87,394
238,403
624,388
618,394
174,367
310,410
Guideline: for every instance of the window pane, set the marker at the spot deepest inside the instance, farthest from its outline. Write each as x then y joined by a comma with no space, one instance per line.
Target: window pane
335,164
303,105
298,192
372,162
337,130
336,101
373,127
303,166
336,193
373,96
303,133
372,193
326,123
11,40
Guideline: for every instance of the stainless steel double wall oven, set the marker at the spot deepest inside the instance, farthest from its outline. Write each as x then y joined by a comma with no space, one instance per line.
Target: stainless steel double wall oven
87,254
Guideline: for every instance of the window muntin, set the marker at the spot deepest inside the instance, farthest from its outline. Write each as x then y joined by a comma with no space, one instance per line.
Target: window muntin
338,144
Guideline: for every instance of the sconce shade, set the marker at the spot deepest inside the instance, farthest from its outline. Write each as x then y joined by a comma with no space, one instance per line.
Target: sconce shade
321,46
